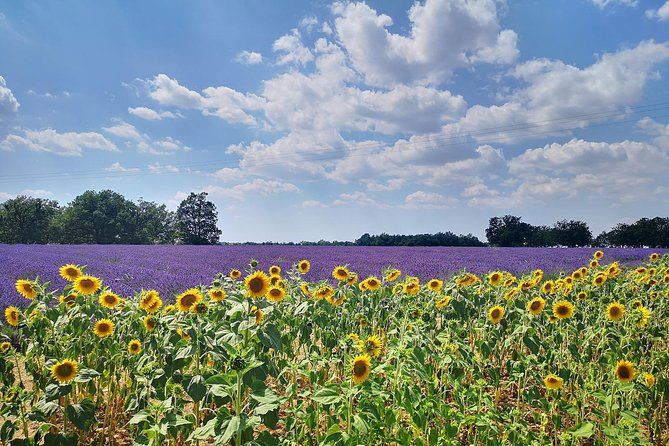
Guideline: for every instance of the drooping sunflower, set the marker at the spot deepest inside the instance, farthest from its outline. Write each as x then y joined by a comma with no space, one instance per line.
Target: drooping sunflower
70,272
188,298
536,306
235,274
257,313
372,283
495,314
26,288
68,300
495,278
103,328
169,308
216,294
64,371
150,301
435,284
274,270
643,315
372,346
352,278
87,285
548,287
150,322
340,273
257,284
598,254
5,346
134,347
411,288
304,287
511,294
323,292
625,371
276,294
360,368
109,299
200,308
393,275
441,303
303,266
553,382
12,316
615,311
563,309
649,379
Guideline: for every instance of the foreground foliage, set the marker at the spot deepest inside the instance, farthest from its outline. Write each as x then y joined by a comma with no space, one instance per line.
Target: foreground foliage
267,358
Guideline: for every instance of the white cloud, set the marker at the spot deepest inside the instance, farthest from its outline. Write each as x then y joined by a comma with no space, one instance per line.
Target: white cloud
35,193
661,14
123,130
65,144
445,35
150,114
309,23
255,187
117,167
228,174
145,143
428,200
49,95
313,204
604,3
291,49
660,132
162,168
359,198
248,57
8,103
391,184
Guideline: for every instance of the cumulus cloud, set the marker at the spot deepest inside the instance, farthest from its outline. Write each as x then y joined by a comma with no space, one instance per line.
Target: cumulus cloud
661,13
150,114
313,204
64,144
255,187
36,193
291,49
248,57
8,103
428,200
604,3
145,143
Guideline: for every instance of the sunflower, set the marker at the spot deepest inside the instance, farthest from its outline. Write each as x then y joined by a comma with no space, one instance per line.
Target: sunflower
303,266
441,303
5,346
511,293
372,283
495,278
362,286
70,272
134,347
188,298
12,316
150,301
654,256
553,382
576,275
598,254
352,278
199,308
323,292
150,322
599,280
411,288
274,270
649,379
235,274
643,316
257,313
26,288
216,294
304,287
536,306
103,328
398,289
393,275
340,273
615,311
68,300
593,263
625,371
109,299
435,284
257,284
372,346
64,371
495,314
87,284
547,287
563,309
582,295
636,303
360,368
276,294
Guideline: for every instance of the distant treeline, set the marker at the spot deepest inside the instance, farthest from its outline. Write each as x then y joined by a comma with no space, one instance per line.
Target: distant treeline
107,217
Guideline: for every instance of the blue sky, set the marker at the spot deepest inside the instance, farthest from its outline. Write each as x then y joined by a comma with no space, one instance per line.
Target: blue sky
309,120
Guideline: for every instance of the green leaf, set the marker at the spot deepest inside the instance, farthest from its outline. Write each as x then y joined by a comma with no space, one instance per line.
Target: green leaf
584,430
327,395
140,417
86,375
204,432
531,343
55,391
52,439
270,337
82,415
233,426
196,388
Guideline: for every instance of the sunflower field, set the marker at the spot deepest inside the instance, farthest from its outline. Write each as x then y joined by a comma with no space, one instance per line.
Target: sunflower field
264,357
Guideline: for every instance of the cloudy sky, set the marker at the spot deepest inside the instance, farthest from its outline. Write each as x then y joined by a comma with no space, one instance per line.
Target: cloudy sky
309,120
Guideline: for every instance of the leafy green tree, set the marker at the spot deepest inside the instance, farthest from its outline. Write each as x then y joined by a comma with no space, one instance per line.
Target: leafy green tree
571,233
27,220
157,224
509,231
197,220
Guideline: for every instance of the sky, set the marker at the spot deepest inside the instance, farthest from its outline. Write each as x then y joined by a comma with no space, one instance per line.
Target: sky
325,120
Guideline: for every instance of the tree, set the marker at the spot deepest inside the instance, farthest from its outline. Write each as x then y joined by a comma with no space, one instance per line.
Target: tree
27,220
571,233
653,232
197,220
104,217
509,231
157,224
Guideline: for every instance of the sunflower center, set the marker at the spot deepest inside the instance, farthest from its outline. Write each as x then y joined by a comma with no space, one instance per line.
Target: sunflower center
535,305
64,370
188,300
624,372
495,313
87,283
256,284
615,312
359,368
562,310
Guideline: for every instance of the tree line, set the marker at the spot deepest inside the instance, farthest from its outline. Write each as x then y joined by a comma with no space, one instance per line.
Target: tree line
107,217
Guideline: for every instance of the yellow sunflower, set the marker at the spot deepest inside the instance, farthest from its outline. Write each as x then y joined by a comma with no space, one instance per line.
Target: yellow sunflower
150,322
109,299
563,309
441,303
360,368
134,347
5,346
649,379
411,288
188,298
64,371
276,294
12,316
372,346
598,254
323,292
304,287
593,263
257,284
625,371
216,294
169,308
257,313
495,314
536,306
582,295
274,270
643,315
303,266
495,278
68,300
553,382
372,283
70,272
235,274
352,278
654,256
340,273
393,275
435,284
547,287
26,288
103,328
87,285
150,301
615,311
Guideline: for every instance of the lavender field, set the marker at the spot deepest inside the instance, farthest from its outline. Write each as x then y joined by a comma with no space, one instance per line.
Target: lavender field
171,269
